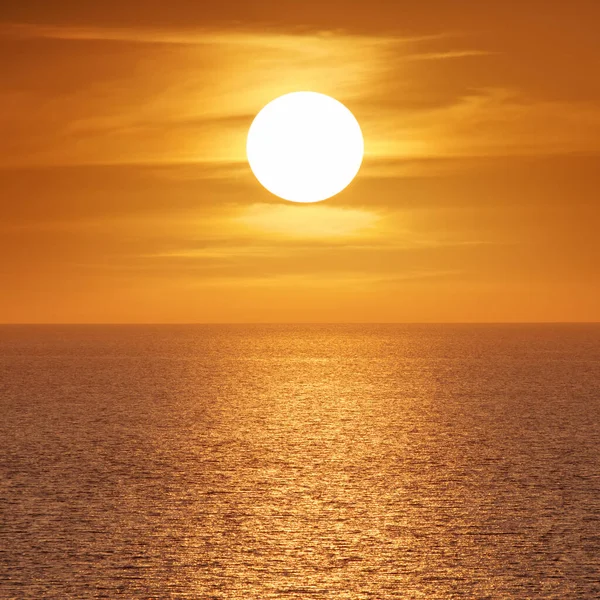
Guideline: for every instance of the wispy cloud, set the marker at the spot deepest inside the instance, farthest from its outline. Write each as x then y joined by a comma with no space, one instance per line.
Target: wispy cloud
330,280
486,123
302,221
194,103
451,54
232,35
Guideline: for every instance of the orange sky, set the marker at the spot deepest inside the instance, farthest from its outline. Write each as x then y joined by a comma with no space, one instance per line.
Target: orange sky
125,195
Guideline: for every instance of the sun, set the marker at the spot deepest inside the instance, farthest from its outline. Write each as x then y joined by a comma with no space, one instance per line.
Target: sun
305,147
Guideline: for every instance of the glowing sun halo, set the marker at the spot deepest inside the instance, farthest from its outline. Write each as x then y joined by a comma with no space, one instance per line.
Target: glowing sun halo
305,147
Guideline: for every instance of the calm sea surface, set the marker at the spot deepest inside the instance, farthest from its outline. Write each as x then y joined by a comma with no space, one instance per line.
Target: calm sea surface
303,461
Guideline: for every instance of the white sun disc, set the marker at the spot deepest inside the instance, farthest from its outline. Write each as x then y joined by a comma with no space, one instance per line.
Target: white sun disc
305,147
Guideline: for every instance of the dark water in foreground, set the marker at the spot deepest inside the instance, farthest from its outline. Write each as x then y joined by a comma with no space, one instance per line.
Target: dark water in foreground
300,462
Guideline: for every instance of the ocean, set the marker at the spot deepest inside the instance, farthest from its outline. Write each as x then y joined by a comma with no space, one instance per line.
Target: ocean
300,461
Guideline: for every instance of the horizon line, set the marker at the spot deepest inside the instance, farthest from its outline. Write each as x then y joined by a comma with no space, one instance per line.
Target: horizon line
207,323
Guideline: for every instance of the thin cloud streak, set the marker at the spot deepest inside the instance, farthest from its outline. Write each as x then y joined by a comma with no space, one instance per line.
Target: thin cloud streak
329,280
189,37
451,54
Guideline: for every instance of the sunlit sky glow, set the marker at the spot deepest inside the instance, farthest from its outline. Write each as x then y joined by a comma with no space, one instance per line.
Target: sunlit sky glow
127,197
